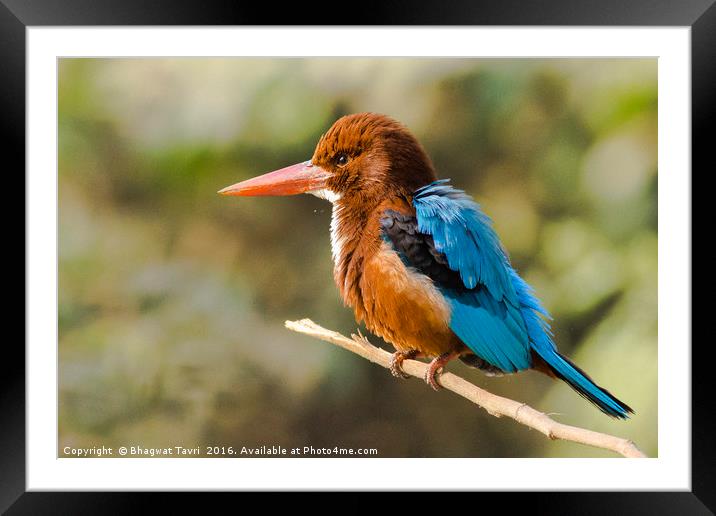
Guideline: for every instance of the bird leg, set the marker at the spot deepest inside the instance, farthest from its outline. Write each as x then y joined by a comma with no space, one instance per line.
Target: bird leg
437,366
396,362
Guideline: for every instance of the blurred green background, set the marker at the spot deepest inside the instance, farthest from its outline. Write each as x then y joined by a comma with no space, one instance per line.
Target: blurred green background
172,299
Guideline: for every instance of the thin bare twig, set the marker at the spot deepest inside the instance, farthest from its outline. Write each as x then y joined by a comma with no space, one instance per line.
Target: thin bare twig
493,404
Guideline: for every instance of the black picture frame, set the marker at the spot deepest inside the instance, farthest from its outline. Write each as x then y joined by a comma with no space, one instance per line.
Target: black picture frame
17,15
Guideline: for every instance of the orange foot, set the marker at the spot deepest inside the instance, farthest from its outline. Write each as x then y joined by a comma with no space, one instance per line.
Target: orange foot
396,362
436,366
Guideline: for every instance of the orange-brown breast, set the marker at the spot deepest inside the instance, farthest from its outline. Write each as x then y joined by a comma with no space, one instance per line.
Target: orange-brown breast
397,303
404,307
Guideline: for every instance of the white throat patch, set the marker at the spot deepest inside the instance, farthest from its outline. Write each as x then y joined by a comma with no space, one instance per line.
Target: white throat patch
326,194
336,239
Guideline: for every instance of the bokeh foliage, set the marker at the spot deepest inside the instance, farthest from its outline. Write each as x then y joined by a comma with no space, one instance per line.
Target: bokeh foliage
172,299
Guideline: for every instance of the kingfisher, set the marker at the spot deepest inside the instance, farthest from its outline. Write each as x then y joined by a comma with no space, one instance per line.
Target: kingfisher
418,260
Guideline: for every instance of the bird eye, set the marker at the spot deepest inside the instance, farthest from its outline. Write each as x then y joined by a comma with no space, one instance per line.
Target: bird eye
341,160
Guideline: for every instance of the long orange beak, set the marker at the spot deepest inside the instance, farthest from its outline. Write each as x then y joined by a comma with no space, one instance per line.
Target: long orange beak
296,179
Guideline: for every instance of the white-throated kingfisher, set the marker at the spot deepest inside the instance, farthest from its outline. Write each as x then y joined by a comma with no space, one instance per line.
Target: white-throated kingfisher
418,260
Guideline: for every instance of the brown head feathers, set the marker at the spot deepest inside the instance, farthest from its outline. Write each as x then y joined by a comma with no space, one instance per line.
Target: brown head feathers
372,157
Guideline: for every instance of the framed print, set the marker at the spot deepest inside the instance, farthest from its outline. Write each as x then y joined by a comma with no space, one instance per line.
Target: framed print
500,208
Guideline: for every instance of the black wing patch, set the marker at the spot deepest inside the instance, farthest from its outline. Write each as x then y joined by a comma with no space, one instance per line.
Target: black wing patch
418,249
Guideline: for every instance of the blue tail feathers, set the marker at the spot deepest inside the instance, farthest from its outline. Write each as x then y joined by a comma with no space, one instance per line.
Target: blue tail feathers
536,320
580,381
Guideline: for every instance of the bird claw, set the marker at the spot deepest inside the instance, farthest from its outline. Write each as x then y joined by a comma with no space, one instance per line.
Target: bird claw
435,368
431,379
396,363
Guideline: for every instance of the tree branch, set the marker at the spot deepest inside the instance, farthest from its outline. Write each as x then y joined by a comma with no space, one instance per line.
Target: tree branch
493,404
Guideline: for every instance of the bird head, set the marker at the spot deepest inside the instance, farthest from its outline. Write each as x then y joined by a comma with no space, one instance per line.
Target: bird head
362,158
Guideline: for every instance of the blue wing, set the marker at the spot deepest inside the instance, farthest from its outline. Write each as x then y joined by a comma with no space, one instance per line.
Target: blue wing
494,311
495,314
